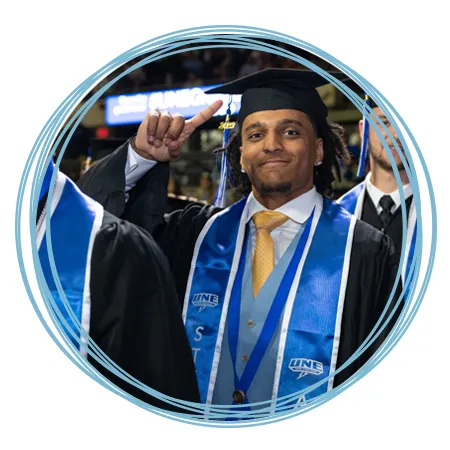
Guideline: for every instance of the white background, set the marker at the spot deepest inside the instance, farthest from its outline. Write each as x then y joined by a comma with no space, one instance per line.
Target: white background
48,48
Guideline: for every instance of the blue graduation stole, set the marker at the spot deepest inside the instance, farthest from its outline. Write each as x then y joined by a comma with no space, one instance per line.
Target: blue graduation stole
74,223
311,320
353,201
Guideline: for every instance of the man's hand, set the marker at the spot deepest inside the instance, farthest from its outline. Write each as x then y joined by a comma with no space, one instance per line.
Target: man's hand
160,136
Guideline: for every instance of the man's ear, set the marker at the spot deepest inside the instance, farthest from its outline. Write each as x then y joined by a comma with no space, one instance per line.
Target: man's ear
360,127
319,150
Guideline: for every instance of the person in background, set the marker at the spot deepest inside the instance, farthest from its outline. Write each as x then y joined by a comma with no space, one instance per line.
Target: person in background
376,200
252,64
121,291
174,187
206,190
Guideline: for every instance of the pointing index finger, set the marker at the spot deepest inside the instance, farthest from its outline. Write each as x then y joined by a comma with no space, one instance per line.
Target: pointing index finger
205,115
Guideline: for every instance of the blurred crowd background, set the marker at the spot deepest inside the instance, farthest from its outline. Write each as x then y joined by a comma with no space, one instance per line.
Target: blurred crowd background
194,174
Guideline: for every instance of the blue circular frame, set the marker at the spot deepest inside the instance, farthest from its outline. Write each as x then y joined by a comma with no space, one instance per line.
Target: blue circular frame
163,46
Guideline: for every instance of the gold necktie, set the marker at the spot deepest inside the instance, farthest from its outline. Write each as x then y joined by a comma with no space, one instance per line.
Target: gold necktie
263,258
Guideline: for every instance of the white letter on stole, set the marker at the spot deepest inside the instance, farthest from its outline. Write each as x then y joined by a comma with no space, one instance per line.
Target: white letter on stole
195,350
199,335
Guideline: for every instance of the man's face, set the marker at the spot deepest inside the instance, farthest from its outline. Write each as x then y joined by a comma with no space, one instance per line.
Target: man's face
376,148
279,150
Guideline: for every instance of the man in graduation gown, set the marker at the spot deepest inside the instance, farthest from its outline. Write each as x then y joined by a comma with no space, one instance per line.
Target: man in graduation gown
376,200
120,289
272,303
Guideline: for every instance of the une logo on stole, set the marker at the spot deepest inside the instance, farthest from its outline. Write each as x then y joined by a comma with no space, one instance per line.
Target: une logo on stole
204,300
305,367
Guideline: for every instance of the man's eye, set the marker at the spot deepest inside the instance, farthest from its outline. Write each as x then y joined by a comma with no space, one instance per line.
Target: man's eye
292,132
255,136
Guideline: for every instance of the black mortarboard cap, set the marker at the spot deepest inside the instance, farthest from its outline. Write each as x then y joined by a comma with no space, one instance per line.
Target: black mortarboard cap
272,89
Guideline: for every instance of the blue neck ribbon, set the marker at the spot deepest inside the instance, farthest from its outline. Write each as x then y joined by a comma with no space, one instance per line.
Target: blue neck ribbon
273,317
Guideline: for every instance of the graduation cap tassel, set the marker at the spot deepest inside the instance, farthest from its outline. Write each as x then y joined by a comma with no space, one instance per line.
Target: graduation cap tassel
221,188
365,140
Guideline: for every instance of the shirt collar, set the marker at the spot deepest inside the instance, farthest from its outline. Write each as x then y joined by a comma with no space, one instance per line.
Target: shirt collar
376,194
298,209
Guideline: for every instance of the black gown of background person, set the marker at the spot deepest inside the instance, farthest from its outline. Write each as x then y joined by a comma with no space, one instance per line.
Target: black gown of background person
394,228
135,318
373,265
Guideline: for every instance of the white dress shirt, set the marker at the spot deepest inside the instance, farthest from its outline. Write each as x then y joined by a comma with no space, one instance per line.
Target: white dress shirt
135,168
376,194
298,211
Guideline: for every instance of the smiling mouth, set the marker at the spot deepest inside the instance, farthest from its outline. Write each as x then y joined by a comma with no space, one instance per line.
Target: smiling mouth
274,163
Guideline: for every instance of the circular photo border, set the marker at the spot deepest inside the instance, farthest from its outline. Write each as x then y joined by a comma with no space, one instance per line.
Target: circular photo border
53,135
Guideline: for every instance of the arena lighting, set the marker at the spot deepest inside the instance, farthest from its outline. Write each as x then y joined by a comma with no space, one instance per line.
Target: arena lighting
132,108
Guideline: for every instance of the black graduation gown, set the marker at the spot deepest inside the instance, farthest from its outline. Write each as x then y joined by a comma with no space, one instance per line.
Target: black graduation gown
174,203
373,265
394,229
135,317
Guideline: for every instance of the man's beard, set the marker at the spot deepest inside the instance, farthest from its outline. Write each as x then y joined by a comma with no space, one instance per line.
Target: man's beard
386,165
280,188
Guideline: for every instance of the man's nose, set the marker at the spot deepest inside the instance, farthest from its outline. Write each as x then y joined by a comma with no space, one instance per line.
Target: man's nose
272,143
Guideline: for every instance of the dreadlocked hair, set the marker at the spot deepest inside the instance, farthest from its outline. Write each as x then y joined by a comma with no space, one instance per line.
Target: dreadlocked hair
334,150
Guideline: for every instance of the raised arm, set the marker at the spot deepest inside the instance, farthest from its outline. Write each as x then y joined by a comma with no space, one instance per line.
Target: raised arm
131,183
